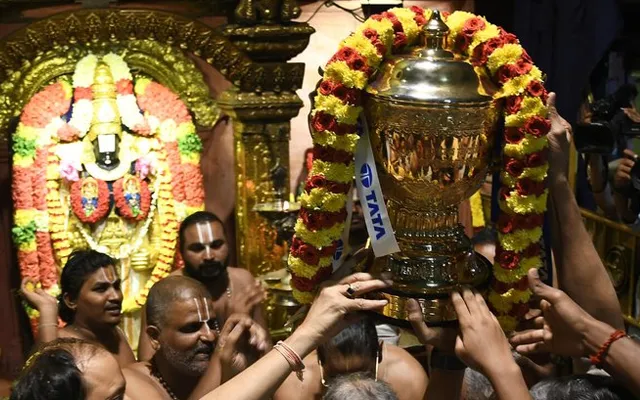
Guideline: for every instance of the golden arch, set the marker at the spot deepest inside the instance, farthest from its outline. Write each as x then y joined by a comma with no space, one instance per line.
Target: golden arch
151,41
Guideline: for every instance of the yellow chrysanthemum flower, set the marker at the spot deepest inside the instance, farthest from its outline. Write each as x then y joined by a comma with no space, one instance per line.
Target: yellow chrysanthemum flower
507,54
530,144
346,142
520,239
530,107
503,302
340,71
321,199
304,270
336,172
344,113
320,238
364,47
303,297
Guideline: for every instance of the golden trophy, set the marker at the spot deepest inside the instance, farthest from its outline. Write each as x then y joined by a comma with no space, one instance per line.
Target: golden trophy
431,126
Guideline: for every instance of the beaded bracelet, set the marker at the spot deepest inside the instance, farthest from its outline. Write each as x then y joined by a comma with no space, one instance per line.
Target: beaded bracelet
596,359
294,360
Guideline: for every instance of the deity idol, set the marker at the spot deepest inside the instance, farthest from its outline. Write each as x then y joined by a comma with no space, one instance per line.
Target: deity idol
117,174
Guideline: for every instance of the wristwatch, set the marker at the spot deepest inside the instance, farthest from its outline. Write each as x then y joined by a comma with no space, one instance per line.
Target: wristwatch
447,362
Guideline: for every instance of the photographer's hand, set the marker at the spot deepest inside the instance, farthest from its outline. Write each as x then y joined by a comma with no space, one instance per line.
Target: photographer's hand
622,178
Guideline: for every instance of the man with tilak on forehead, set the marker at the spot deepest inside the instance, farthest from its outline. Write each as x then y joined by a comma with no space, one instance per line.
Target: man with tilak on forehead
205,251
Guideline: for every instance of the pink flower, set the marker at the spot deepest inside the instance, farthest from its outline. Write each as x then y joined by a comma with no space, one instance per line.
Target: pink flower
143,167
69,170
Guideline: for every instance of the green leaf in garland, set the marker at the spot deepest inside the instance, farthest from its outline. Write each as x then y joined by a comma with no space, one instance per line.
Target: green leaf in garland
24,147
24,234
189,143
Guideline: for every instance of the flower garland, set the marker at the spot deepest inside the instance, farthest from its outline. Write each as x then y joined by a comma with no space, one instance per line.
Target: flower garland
133,204
339,104
169,116
131,116
90,209
82,112
32,143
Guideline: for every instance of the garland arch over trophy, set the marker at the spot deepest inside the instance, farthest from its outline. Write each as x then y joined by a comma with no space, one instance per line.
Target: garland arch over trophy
104,162
340,101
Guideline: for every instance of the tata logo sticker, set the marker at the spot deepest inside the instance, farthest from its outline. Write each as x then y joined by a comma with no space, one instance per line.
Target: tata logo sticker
339,249
366,175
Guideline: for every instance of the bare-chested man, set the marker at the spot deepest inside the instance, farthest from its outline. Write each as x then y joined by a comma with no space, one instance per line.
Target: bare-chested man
183,332
204,249
90,304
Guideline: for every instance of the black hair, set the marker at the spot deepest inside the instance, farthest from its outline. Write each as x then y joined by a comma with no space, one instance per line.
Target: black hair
80,265
358,339
359,386
166,292
580,387
197,217
52,373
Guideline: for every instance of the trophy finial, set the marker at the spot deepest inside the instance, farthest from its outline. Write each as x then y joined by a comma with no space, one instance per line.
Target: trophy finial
435,37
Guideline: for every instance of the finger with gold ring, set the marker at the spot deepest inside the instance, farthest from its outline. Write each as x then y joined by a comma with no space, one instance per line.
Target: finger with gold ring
350,291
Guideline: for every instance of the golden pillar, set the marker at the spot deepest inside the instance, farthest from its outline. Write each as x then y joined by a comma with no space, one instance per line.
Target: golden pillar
261,121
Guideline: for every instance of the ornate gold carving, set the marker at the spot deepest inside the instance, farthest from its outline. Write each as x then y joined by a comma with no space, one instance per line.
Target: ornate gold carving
45,57
266,11
270,42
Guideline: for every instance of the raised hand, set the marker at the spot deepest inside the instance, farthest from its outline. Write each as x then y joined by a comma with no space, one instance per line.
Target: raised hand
245,300
329,313
36,297
622,177
563,325
444,339
481,343
559,138
241,339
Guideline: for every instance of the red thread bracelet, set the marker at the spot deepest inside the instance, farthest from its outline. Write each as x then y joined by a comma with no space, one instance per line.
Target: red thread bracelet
294,360
596,359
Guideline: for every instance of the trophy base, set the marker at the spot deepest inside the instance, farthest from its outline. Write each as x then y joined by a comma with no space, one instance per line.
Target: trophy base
434,301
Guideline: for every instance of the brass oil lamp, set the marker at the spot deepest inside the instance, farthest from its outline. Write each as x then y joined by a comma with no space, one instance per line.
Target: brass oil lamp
431,125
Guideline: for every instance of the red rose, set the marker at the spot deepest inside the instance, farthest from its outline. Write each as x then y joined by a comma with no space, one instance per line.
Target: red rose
370,34
522,284
514,167
323,122
326,87
357,63
525,187
500,287
533,220
526,57
513,135
523,66
462,42
512,104
472,25
309,254
399,40
344,54
382,49
505,223
417,10
507,259
397,25
532,251
482,52
314,182
508,38
536,89
536,159
445,14
83,93
537,126
506,72
328,251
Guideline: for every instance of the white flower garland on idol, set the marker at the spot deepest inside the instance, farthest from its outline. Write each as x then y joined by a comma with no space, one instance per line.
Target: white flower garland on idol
130,113
83,107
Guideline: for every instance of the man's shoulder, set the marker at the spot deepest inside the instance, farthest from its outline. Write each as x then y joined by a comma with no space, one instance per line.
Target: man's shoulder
139,381
177,272
398,359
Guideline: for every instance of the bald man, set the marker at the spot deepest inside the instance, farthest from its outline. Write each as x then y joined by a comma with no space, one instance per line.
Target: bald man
183,332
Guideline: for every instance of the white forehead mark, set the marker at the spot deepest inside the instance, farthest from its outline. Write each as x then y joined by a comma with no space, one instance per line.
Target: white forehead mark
198,308
205,235
106,278
206,307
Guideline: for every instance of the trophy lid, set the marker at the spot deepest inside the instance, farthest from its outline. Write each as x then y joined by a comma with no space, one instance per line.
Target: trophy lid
430,74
